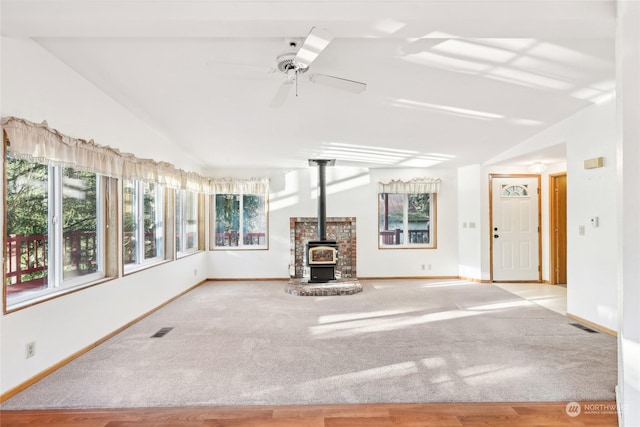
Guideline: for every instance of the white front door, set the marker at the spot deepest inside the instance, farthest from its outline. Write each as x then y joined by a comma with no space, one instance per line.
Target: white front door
515,229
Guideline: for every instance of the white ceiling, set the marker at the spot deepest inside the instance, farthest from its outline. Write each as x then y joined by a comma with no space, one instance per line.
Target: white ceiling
448,82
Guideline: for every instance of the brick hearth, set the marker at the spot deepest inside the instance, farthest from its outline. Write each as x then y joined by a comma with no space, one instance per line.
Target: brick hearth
340,229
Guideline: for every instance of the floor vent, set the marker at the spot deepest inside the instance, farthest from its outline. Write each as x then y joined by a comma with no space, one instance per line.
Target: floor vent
162,332
584,328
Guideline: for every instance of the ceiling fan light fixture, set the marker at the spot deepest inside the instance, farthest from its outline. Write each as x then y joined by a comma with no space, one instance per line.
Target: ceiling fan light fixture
286,62
537,167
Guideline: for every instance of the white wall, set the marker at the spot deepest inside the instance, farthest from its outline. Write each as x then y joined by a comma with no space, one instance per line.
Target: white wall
591,259
628,203
36,86
470,225
350,192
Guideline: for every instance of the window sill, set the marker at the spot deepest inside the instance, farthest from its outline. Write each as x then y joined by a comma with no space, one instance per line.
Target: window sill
141,267
240,248
51,295
181,255
394,247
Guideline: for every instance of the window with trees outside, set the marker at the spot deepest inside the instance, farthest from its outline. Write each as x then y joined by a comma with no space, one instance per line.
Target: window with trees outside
239,221
187,226
142,223
407,213
62,223
55,229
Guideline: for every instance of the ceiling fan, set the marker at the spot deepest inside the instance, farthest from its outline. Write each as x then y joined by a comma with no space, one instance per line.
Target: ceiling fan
296,61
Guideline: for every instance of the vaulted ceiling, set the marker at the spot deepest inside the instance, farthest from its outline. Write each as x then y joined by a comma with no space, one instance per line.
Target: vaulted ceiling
448,83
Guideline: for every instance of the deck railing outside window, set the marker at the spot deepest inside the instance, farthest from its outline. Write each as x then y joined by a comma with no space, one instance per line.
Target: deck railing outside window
27,258
232,238
394,237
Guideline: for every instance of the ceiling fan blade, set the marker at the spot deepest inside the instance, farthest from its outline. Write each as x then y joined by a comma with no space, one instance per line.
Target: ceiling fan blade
338,83
281,95
315,42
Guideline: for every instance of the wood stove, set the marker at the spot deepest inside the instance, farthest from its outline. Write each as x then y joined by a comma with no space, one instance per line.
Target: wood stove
322,257
322,254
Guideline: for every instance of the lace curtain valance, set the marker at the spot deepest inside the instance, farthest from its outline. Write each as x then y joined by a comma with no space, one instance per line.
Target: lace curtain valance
38,142
414,186
238,186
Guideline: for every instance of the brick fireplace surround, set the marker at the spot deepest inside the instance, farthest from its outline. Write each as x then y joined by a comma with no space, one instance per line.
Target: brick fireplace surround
340,229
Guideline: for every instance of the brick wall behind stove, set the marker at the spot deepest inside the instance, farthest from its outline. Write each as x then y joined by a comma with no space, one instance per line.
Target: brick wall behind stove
340,229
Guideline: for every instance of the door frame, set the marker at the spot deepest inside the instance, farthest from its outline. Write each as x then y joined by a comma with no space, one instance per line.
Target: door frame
515,175
553,240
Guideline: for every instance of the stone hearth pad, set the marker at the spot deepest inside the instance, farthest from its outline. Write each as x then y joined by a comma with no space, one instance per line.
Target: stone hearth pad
301,287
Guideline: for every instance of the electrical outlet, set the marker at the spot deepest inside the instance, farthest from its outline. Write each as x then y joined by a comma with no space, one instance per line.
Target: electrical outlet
195,271
423,266
429,267
30,350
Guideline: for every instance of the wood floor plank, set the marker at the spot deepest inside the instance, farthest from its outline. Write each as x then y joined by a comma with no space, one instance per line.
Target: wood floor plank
332,411
280,422
155,423
359,422
544,414
426,419
469,409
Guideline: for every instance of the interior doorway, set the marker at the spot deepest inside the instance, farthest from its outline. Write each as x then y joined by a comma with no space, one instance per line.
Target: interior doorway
558,228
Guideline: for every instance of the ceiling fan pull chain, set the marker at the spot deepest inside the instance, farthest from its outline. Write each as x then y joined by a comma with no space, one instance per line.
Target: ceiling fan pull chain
296,77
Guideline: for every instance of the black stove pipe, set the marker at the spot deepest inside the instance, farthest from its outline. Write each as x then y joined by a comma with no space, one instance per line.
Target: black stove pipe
322,197
322,202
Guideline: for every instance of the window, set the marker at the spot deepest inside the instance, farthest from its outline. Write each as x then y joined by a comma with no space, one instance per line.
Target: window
61,224
55,229
187,224
515,190
406,220
142,223
240,221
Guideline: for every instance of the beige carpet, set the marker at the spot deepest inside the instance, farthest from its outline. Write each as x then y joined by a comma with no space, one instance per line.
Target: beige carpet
250,343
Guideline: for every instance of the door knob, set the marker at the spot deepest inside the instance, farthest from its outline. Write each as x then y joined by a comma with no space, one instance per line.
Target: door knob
495,236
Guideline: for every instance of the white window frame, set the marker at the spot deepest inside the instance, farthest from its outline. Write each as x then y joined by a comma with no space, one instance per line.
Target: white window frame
181,199
55,262
406,244
138,208
241,245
